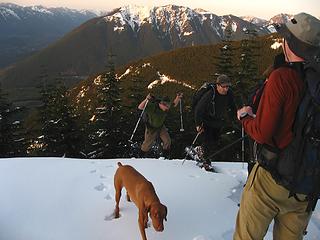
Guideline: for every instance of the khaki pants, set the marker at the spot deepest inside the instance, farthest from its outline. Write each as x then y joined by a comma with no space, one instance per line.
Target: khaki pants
150,136
264,200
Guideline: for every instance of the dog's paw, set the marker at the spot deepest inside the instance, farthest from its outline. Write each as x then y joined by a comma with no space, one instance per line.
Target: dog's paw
111,217
116,213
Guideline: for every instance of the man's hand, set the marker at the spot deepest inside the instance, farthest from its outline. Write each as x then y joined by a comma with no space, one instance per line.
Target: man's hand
199,129
180,95
246,110
149,97
178,98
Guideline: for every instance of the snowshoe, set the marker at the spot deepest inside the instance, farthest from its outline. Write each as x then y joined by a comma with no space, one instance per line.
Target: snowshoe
134,150
206,166
156,150
195,153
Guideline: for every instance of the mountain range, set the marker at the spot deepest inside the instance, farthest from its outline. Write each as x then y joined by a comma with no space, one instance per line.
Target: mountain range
130,33
25,30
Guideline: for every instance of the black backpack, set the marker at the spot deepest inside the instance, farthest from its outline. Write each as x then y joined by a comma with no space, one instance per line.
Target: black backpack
200,92
297,167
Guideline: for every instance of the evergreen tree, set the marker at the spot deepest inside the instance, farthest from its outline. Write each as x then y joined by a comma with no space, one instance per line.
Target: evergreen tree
105,135
12,136
248,74
136,94
5,128
59,135
225,60
19,133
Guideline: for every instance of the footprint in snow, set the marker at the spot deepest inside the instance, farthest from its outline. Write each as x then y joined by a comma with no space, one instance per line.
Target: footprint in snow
100,187
108,197
93,171
200,237
193,176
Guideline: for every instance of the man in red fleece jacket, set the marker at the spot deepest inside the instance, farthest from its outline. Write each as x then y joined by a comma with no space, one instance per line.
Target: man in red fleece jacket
263,200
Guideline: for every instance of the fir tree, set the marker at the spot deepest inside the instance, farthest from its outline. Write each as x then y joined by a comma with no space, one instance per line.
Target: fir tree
105,136
19,133
225,60
59,135
135,96
12,135
248,74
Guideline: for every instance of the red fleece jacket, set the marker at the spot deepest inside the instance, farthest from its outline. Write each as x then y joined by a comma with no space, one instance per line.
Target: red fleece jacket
277,108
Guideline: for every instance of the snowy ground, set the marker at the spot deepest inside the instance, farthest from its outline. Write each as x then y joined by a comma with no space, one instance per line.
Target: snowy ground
64,199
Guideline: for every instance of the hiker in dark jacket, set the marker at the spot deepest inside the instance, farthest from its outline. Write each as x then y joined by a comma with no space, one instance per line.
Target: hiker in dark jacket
156,112
211,113
263,199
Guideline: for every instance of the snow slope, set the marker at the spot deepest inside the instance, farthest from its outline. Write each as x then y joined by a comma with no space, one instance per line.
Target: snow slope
65,199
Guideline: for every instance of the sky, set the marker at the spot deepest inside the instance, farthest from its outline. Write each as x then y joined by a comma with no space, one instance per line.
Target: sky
63,199
259,8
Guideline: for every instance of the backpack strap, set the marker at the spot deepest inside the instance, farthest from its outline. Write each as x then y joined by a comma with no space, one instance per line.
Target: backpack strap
213,99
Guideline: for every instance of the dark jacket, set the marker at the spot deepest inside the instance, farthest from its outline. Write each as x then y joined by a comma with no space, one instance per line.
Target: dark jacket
212,112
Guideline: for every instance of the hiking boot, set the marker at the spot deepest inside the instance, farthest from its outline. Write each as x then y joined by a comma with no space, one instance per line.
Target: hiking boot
166,154
207,166
142,154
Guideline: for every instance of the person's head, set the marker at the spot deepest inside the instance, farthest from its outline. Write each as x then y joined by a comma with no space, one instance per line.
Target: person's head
301,38
223,82
164,104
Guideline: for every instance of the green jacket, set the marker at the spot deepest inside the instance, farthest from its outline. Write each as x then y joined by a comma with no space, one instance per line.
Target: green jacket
155,116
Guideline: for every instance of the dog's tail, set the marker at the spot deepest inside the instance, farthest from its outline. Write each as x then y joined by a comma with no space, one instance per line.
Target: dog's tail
120,164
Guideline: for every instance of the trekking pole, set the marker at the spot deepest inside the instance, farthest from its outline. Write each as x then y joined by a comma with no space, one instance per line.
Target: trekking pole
194,141
135,129
242,146
229,145
181,120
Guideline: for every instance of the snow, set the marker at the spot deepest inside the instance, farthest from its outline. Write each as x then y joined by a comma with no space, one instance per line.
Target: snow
271,28
5,12
227,20
41,9
127,72
132,15
188,33
234,26
276,45
166,79
63,199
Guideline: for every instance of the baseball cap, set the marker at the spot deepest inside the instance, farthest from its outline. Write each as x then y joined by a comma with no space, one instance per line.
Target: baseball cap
302,34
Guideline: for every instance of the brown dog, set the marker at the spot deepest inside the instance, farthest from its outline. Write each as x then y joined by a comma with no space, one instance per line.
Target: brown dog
142,193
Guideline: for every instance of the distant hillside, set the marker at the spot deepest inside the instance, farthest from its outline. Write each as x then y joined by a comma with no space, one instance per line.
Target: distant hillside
25,30
130,33
184,69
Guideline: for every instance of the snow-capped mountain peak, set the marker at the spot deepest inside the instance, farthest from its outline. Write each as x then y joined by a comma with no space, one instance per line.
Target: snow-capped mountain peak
172,20
280,18
12,12
254,20
135,16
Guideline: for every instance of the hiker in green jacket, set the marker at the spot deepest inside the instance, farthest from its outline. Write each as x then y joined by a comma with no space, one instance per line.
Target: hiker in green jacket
156,111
